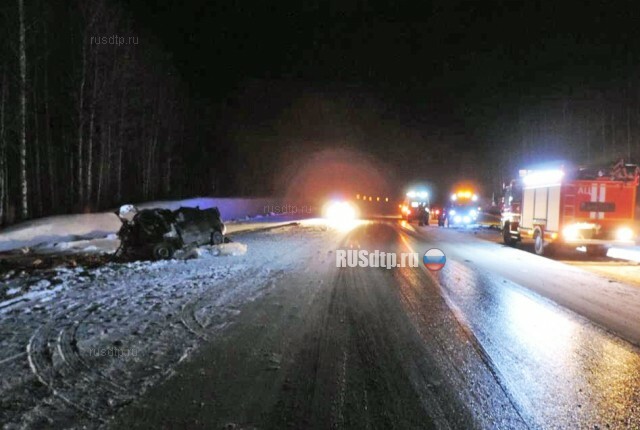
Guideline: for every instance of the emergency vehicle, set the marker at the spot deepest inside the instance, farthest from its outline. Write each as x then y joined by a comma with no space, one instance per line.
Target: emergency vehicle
594,208
461,211
409,209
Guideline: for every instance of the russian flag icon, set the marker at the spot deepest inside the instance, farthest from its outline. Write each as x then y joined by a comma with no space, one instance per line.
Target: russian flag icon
434,259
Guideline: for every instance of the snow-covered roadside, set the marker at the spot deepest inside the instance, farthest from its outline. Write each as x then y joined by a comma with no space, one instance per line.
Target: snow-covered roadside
98,337
629,253
58,229
109,243
621,264
46,267
84,231
30,281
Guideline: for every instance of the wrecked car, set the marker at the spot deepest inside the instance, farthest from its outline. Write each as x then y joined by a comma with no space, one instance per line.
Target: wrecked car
159,233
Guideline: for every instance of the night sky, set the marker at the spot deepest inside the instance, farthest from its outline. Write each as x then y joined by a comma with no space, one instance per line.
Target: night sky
443,68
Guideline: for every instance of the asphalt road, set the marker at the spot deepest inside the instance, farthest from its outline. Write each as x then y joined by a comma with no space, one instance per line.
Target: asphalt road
499,338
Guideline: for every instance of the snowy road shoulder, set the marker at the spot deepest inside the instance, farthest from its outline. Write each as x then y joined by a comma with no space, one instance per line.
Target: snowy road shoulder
79,231
621,264
94,338
37,270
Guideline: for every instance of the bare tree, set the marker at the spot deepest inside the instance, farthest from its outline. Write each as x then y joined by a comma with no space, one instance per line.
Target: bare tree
47,123
117,135
92,116
24,200
80,144
3,146
37,165
119,146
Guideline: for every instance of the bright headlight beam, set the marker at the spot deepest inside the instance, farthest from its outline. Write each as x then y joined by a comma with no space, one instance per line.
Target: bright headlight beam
341,215
624,233
570,233
340,211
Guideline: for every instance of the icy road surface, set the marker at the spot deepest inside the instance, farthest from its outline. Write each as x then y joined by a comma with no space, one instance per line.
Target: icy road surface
281,338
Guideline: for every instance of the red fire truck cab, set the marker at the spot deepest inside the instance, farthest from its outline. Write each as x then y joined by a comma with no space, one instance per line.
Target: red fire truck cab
578,207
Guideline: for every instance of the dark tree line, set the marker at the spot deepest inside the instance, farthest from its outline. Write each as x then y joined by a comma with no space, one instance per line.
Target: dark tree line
588,127
92,113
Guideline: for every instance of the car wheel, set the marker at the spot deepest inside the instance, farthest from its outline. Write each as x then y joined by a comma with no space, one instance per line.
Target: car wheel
538,242
163,251
217,238
506,235
540,246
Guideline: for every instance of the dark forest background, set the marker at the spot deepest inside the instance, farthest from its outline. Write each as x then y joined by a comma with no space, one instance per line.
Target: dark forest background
86,126
103,123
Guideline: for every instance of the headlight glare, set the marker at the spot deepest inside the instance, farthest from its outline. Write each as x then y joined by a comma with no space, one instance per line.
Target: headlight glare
624,233
570,233
340,211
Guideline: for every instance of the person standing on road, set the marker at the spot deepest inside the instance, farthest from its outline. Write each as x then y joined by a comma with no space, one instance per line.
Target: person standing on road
422,215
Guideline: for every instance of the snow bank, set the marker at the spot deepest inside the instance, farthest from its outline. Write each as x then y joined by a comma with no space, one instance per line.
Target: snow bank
230,208
56,229
52,231
631,254
233,248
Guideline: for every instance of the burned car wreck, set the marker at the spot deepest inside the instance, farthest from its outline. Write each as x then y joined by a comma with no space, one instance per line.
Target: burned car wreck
159,233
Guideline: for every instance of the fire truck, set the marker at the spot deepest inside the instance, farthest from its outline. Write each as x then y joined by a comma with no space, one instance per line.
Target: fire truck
594,208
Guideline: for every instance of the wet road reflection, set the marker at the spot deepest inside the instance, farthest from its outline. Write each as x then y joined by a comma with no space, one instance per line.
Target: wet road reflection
562,370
